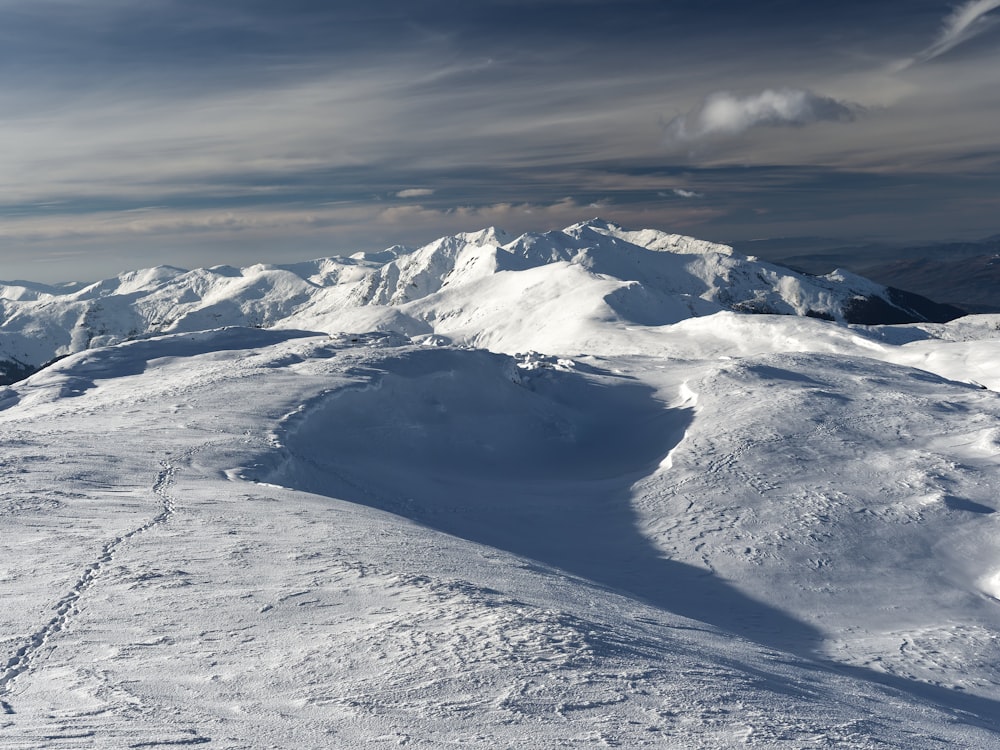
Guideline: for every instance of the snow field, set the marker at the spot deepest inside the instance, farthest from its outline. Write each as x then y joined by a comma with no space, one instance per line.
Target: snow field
258,616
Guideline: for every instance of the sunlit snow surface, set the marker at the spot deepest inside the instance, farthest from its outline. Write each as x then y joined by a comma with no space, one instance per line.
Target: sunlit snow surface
726,531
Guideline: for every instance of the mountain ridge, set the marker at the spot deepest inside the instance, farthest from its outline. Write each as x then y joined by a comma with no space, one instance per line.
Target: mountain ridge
642,277
962,274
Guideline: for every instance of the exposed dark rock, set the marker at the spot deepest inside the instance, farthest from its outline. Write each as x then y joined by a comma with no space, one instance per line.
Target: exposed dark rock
12,371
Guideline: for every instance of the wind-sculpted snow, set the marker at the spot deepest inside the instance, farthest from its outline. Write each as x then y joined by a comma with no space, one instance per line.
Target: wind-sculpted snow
884,480
541,492
490,551
616,276
539,464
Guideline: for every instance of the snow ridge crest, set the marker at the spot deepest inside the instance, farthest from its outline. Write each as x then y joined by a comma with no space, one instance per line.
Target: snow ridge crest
469,287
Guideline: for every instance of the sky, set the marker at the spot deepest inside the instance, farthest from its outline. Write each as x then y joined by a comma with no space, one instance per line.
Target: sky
200,132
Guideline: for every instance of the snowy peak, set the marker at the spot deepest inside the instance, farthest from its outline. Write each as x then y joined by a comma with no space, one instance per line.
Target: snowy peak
651,239
488,236
131,282
479,287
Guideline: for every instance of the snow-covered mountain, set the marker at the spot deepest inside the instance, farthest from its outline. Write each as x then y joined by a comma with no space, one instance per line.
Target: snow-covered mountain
476,288
963,274
552,491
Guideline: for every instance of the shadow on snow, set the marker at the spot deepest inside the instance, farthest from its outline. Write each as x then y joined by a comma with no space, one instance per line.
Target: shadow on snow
540,465
542,468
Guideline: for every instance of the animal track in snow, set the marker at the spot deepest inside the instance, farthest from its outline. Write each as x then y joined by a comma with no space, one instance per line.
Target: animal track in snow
20,662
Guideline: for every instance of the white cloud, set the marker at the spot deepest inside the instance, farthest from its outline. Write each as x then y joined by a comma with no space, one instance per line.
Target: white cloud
682,193
414,193
723,113
965,22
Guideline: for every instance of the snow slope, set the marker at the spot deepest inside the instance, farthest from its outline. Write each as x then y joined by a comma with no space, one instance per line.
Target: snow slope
725,530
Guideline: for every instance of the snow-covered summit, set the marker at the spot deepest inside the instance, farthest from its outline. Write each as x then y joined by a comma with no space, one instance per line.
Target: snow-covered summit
480,287
652,239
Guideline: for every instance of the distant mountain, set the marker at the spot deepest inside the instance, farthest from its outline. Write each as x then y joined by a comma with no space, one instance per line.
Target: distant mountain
962,274
472,288
972,283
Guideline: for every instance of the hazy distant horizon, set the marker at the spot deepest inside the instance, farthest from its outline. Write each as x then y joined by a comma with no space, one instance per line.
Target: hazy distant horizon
53,271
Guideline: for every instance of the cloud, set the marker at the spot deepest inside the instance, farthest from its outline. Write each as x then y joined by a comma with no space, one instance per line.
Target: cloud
682,193
281,220
726,114
464,217
154,221
965,22
414,193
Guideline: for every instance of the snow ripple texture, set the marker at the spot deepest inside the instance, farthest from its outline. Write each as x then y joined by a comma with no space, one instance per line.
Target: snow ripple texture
69,605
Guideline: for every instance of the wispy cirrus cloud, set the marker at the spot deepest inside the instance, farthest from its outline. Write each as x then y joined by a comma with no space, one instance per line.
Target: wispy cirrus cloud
965,22
726,114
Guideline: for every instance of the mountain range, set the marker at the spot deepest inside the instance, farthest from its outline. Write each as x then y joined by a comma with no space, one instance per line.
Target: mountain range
593,269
